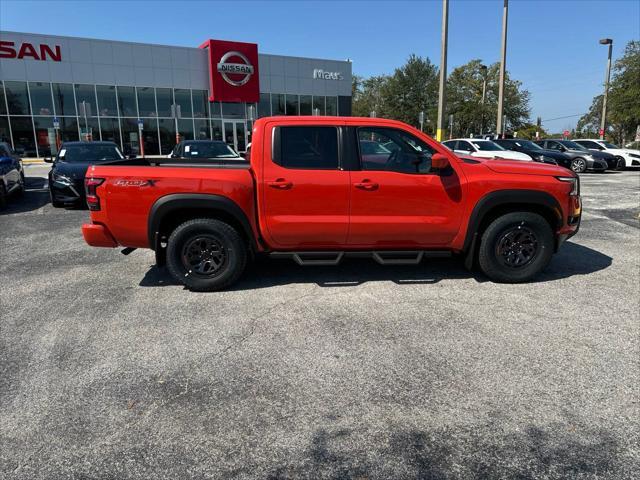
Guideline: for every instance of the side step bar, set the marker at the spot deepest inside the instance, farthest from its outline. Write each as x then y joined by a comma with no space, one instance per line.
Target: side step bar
383,257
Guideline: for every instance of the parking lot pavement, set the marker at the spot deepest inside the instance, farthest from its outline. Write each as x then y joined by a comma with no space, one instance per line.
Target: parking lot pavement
110,370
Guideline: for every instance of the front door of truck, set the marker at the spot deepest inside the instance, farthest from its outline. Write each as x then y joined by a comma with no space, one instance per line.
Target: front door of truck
304,190
397,201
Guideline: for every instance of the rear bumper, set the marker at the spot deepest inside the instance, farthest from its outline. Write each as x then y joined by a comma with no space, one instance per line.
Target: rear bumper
98,235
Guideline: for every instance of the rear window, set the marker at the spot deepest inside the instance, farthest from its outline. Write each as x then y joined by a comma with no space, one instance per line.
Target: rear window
307,148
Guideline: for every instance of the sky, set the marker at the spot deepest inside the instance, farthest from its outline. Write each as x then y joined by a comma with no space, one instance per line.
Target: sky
552,44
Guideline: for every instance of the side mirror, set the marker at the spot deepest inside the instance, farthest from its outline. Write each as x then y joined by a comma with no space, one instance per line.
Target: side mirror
48,159
439,161
131,156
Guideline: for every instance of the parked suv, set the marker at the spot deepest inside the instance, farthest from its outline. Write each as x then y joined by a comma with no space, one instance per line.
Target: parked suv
11,173
626,156
320,189
581,158
66,177
535,151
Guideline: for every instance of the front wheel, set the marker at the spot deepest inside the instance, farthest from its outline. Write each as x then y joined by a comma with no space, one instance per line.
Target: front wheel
206,254
579,165
515,247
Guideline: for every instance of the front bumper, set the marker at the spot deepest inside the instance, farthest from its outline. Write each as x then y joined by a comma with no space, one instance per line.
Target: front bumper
572,223
98,235
67,192
597,165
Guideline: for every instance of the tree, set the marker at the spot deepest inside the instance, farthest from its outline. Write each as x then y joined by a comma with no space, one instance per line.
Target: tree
623,103
529,130
367,96
464,100
411,89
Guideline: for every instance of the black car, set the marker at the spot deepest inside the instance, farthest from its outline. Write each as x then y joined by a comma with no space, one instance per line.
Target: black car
535,151
204,150
11,173
66,178
582,159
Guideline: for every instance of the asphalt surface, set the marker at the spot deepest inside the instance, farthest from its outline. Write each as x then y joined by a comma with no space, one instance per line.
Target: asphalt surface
109,370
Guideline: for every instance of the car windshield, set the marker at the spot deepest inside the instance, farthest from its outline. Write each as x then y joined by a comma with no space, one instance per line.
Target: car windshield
373,148
609,145
487,146
89,153
573,145
209,150
528,144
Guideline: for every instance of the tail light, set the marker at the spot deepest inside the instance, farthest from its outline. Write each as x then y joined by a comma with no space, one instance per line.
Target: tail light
91,184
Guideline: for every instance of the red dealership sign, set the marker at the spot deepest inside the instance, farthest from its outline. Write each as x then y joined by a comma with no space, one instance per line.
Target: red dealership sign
233,71
27,50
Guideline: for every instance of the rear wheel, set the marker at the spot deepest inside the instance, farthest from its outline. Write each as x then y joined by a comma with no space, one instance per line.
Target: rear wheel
579,165
206,254
515,247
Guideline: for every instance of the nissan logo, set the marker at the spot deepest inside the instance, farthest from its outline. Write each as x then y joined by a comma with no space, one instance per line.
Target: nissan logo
225,68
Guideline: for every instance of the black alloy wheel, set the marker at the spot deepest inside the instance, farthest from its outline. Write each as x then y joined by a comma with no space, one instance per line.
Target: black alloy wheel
517,247
204,255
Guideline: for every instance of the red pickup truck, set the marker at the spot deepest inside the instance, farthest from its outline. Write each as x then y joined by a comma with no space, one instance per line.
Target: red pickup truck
319,189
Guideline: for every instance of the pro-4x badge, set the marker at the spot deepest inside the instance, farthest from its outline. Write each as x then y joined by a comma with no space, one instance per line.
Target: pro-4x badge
134,183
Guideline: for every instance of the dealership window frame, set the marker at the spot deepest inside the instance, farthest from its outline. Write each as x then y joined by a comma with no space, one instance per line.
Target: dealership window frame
214,111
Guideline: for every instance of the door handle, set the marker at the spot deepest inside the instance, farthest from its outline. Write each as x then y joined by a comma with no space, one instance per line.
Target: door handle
280,184
366,185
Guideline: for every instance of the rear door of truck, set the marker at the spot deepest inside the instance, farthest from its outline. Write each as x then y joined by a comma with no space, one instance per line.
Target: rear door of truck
304,190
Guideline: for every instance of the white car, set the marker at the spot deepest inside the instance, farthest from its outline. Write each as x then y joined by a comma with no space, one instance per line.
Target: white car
631,157
477,147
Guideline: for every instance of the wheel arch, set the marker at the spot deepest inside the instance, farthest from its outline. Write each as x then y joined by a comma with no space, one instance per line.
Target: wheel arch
171,210
500,202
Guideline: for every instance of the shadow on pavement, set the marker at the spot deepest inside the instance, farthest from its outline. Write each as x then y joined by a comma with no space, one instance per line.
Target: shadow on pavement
572,259
35,196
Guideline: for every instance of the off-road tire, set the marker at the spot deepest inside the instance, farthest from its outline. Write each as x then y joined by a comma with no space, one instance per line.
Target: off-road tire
192,237
494,262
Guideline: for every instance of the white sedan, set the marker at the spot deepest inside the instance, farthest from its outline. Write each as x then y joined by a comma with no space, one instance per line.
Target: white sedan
483,148
631,157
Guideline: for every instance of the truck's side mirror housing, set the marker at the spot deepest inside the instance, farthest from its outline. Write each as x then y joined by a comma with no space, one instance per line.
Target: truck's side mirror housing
439,161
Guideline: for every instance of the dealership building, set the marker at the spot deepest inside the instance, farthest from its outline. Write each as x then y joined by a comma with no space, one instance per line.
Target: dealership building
145,96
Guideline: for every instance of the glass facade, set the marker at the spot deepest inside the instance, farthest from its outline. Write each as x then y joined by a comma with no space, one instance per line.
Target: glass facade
111,113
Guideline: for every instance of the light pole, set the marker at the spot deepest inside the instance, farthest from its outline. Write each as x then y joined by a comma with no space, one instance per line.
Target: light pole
483,72
503,64
443,70
603,120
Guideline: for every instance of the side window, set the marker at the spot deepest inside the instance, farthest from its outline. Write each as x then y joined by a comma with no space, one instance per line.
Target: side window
589,144
465,146
553,145
393,150
307,148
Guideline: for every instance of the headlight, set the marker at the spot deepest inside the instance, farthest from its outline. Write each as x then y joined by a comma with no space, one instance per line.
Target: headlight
575,184
62,178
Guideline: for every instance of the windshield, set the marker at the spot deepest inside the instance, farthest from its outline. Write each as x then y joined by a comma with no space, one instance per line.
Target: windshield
487,146
209,150
573,145
528,144
609,145
89,153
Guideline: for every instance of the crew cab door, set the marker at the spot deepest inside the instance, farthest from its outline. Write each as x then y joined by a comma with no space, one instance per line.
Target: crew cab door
400,202
304,190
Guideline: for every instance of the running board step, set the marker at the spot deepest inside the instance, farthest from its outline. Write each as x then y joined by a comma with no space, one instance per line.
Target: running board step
383,257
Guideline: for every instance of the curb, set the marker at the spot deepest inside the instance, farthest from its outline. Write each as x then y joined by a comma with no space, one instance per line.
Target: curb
33,161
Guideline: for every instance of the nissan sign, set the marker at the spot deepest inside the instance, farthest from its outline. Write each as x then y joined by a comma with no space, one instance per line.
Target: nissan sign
233,71
227,67
27,50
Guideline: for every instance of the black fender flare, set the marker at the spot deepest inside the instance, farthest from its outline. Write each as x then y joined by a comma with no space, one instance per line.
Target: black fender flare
500,198
183,201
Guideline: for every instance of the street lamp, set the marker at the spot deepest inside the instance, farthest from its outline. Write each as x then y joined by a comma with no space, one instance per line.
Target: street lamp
603,120
443,70
483,72
503,62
